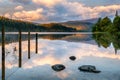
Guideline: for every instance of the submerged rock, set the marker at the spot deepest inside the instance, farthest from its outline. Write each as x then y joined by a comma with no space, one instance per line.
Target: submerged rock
88,68
72,58
58,67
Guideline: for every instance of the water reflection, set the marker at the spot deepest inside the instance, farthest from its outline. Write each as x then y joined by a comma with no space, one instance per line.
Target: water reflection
75,37
9,38
55,50
106,39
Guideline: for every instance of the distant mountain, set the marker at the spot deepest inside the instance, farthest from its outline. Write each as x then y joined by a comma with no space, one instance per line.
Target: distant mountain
81,25
92,20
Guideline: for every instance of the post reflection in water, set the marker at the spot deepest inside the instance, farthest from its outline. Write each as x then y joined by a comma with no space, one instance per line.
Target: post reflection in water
36,45
3,53
53,50
29,45
20,50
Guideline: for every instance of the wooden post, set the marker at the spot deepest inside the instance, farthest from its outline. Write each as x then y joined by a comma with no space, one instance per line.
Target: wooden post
20,50
115,51
28,44
36,44
3,53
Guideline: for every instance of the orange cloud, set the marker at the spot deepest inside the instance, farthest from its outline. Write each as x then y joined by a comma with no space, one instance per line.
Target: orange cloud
66,10
48,3
29,15
7,15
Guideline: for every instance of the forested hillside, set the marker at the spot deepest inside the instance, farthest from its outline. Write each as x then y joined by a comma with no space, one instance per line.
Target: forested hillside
107,25
16,25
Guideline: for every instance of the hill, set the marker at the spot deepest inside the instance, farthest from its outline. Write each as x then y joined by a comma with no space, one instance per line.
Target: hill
53,27
12,25
82,25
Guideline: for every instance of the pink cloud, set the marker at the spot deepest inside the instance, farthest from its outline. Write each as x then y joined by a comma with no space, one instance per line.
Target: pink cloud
66,10
19,8
90,12
48,3
108,8
29,15
7,15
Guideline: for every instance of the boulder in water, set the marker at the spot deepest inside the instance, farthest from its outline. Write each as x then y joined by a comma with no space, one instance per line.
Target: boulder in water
58,67
72,58
88,68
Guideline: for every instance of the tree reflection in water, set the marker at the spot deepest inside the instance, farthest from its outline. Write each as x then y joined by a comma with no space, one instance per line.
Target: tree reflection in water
106,39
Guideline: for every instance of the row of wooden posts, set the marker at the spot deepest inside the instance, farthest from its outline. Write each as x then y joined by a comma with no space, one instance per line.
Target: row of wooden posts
20,49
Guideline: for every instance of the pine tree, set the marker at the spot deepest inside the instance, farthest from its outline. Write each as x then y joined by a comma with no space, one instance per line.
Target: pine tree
116,14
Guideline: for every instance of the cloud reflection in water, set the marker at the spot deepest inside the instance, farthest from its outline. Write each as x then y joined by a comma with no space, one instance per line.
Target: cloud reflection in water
58,52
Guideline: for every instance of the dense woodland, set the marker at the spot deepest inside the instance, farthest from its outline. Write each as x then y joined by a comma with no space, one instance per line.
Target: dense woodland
106,25
16,25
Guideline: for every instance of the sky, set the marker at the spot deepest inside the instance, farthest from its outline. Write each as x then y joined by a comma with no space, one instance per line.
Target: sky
42,11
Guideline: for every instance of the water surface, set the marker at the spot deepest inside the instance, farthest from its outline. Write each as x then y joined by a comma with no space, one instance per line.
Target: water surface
101,50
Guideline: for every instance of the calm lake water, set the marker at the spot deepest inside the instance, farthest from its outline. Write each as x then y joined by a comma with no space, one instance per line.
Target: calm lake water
100,50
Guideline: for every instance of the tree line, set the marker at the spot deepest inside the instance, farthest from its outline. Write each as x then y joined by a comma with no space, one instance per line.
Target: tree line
12,25
106,25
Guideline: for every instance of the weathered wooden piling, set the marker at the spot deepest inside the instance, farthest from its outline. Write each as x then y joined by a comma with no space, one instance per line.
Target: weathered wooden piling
20,49
3,53
36,44
115,51
28,44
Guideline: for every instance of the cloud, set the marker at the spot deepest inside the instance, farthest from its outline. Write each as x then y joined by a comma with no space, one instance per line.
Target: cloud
22,1
76,8
29,15
64,11
19,8
48,3
58,10
106,8
7,15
